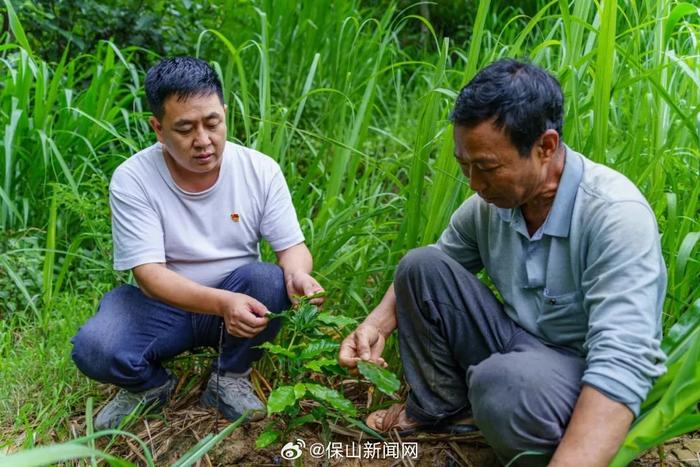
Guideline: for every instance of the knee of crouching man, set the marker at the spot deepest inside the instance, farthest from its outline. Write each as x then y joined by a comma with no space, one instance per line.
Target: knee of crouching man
265,282
416,260
87,353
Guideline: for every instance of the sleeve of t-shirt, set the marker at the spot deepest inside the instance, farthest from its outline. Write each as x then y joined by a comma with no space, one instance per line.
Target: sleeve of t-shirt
280,226
623,285
459,240
137,232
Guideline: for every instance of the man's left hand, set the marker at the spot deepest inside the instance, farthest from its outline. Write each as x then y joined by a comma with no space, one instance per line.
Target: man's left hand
302,284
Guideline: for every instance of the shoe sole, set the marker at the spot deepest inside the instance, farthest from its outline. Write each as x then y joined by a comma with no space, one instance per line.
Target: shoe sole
208,400
149,408
443,429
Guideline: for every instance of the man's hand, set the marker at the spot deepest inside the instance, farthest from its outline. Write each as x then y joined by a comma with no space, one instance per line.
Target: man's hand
301,283
366,343
243,315
297,264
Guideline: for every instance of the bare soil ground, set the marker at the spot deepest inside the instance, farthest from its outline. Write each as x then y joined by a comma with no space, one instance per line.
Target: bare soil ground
172,434
184,422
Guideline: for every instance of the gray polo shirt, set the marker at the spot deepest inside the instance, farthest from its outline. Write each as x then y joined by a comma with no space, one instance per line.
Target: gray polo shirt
592,278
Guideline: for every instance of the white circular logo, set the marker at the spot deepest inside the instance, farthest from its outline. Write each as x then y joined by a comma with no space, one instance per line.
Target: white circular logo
291,451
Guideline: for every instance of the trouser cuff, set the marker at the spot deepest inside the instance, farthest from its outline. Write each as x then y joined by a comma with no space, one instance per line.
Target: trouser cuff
415,412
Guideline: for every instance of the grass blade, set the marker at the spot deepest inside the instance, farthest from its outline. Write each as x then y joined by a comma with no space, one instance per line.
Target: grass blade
604,72
206,444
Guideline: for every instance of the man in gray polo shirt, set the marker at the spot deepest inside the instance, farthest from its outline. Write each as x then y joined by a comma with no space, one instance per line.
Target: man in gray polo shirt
560,364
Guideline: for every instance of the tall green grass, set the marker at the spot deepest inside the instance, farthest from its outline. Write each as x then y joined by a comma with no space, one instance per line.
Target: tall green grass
352,101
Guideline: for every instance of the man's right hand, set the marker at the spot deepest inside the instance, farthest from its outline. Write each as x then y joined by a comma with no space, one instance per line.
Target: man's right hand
366,343
243,315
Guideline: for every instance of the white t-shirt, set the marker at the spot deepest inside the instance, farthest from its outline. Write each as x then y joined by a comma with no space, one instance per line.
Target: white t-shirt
203,236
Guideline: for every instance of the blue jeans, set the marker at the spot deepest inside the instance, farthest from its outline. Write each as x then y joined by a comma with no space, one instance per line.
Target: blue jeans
125,342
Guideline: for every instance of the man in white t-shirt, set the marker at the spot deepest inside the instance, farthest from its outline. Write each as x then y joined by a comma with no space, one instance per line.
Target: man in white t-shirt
188,214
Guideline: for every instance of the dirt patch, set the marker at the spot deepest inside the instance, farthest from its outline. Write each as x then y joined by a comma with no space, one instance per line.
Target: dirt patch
184,422
338,450
177,431
683,451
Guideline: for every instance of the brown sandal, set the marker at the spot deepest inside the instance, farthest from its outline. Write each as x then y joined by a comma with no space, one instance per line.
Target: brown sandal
390,422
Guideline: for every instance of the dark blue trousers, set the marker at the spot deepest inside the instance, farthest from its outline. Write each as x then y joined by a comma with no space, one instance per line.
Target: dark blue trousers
125,342
461,353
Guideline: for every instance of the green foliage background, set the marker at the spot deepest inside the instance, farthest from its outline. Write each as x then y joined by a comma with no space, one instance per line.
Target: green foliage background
351,98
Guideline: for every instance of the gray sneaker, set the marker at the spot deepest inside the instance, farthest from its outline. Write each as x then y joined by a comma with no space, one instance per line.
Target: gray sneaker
125,402
236,395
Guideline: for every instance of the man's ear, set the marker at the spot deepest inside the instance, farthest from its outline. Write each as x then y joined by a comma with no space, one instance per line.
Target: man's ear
157,127
549,143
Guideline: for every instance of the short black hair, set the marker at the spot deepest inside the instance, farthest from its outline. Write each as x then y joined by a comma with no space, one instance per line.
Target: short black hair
523,98
180,76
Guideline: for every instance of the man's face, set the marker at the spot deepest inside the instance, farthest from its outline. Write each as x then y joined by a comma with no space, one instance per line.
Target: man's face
495,169
193,134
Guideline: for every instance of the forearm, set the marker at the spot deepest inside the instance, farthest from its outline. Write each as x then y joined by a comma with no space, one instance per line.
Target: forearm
158,282
597,427
383,316
296,259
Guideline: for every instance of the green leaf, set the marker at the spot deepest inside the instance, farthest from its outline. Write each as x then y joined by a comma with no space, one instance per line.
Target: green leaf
671,415
57,453
317,365
332,397
281,398
304,317
277,349
336,320
385,380
267,437
685,251
16,27
362,426
681,335
206,444
680,10
317,348
320,413
298,421
285,315
306,298
299,390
